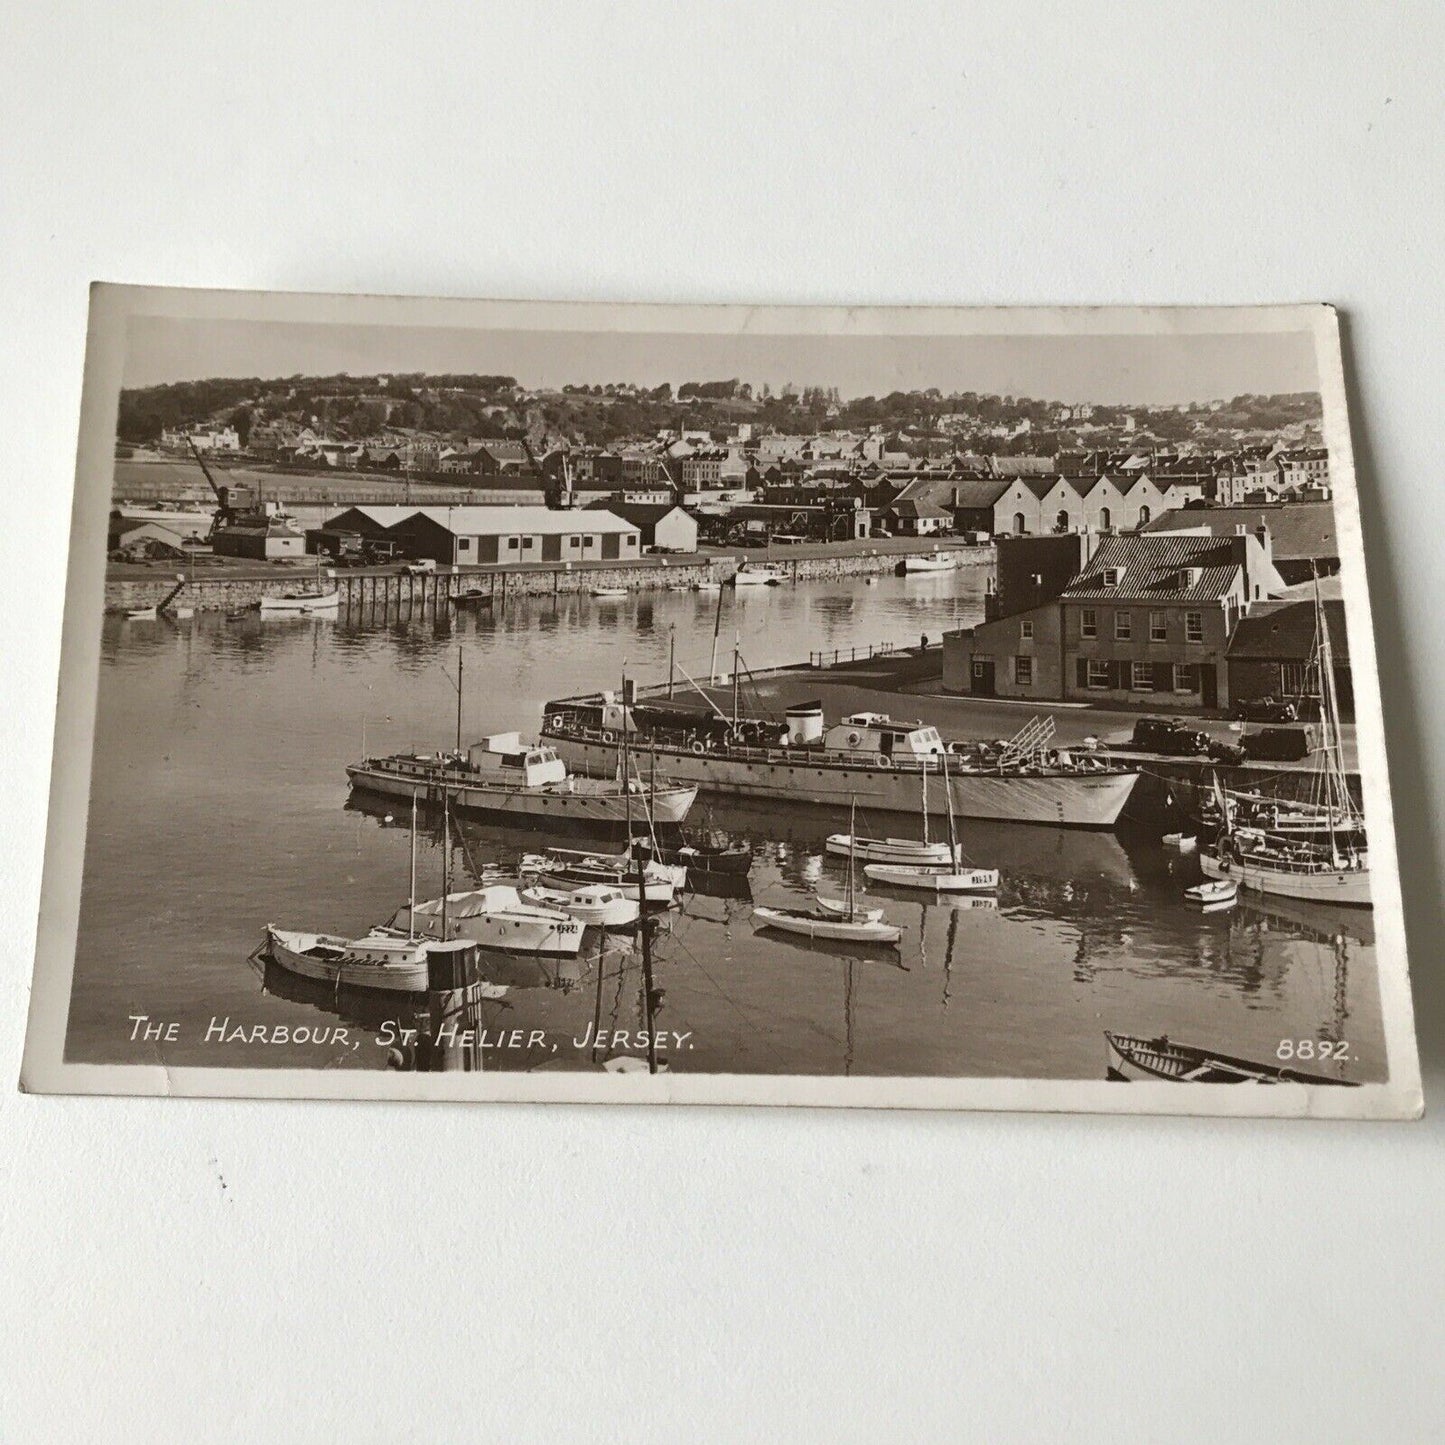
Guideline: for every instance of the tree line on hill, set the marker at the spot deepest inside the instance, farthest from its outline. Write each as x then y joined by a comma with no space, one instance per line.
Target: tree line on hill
486,406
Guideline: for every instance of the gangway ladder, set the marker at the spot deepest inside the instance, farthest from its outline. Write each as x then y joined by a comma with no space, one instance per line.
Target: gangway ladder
1028,742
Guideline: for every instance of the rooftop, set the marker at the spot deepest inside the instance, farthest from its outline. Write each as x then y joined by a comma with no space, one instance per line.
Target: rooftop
1157,568
1296,529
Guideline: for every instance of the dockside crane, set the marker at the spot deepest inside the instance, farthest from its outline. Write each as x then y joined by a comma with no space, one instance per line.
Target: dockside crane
223,511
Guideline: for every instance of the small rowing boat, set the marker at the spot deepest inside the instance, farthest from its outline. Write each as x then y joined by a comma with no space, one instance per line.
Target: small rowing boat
1212,895
609,592
1134,1059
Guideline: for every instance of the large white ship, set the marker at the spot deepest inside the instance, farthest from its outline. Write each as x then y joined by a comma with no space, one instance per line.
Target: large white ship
867,759
502,775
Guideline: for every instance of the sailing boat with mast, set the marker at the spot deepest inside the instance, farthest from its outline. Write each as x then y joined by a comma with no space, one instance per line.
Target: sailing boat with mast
494,915
907,852
391,958
1335,869
834,918
925,876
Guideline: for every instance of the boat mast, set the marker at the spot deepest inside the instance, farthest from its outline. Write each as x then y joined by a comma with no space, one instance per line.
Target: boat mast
1337,789
411,898
735,684
446,854
716,629
459,700
624,762
924,773
852,853
671,658
952,831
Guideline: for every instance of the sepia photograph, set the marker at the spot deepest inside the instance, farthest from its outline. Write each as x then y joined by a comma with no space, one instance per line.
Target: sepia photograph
915,707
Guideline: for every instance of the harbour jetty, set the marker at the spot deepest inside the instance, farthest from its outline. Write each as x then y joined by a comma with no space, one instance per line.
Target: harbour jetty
381,592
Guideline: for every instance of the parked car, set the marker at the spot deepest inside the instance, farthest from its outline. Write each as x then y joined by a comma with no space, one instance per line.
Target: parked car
1277,744
1265,709
1169,735
418,566
1231,755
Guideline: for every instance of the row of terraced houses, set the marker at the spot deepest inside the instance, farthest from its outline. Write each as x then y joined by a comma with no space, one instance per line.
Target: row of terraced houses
1202,609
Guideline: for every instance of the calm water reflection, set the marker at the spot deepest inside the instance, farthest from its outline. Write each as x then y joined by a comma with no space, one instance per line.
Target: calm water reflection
219,804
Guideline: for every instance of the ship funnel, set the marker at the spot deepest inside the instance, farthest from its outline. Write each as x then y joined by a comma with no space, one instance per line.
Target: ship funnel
805,723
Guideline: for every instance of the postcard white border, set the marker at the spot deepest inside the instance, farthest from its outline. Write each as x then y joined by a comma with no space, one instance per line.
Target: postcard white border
44,1069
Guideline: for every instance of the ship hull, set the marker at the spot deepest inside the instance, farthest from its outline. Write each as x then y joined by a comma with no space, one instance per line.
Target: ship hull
1335,885
562,804
293,952
1061,800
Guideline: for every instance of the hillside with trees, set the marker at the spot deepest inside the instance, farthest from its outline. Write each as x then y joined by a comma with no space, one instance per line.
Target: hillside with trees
463,405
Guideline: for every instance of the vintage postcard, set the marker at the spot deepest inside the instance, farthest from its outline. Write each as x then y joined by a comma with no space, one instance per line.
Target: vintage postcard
882,707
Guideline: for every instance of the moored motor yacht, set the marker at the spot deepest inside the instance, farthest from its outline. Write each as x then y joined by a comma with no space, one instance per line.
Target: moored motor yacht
494,916
600,905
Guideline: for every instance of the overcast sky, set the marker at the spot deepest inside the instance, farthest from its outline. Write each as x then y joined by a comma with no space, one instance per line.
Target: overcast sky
1130,370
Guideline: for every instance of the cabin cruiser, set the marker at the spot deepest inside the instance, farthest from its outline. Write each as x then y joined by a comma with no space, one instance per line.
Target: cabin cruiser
503,775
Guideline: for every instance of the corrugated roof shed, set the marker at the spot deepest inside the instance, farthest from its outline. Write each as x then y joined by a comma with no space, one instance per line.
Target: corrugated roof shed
1156,569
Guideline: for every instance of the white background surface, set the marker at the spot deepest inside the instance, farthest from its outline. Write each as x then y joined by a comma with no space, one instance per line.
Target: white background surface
205,1270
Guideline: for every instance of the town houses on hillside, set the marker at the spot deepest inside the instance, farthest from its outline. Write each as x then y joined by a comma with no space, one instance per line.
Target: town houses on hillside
967,466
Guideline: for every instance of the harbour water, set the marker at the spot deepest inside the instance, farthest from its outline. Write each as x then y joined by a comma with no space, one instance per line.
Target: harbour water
219,804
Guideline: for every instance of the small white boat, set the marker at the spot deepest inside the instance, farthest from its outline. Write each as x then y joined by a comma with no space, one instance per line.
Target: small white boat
1181,842
894,850
826,925
625,863
1212,894
658,891
753,576
296,604
384,959
933,880
934,562
599,905
496,917
707,586
833,918
609,592
839,908
142,614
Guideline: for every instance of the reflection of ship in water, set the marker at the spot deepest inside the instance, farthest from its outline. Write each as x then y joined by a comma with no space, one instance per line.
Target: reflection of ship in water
1318,922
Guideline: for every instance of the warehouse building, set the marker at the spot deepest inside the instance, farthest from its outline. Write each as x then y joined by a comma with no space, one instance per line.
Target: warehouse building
663,526
482,535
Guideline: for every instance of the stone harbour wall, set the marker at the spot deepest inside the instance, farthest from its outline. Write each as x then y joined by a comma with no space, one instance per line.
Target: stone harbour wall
369,590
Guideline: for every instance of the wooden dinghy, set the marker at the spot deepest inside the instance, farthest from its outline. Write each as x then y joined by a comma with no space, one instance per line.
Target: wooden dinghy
1161,1059
1213,894
933,880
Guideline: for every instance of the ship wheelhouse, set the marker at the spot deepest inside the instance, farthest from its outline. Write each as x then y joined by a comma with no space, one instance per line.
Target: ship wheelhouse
877,734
